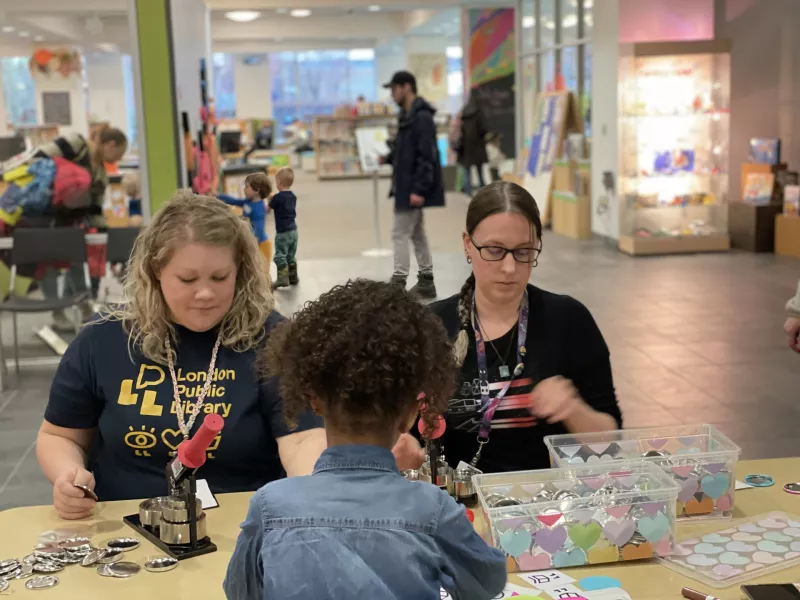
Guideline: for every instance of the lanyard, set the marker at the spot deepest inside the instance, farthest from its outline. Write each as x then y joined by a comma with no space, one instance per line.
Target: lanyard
489,405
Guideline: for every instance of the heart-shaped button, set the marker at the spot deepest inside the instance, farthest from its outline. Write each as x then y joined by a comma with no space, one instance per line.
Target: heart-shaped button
657,444
704,507
746,537
585,536
569,451
733,559
740,547
534,562
707,549
550,519
716,485
619,533
618,511
724,503
771,523
765,558
682,470
751,528
632,552
652,508
701,560
663,547
654,528
777,537
770,546
688,489
725,571
574,558
715,538
795,546
583,515
551,540
603,555
515,543
714,468
792,531
599,448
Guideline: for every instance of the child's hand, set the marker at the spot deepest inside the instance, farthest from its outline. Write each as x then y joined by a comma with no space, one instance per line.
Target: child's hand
408,453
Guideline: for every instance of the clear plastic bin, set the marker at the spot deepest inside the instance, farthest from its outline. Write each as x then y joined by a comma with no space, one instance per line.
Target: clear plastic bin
570,517
700,458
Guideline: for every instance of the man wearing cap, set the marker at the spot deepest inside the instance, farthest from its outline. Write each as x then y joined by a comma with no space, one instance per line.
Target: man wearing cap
416,181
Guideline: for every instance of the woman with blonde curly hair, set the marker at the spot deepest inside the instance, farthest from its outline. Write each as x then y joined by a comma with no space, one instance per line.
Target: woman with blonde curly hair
135,384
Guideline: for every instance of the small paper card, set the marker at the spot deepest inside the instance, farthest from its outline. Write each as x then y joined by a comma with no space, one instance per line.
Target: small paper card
205,494
565,591
741,485
609,594
546,579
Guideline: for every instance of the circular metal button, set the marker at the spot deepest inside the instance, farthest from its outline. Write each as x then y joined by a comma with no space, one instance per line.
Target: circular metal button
124,569
160,564
93,556
103,570
24,572
124,544
41,582
112,555
7,566
87,491
29,559
4,585
758,480
47,567
11,574
792,488
75,544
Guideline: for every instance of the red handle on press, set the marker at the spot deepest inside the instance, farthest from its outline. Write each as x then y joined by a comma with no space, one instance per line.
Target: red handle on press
192,453
438,429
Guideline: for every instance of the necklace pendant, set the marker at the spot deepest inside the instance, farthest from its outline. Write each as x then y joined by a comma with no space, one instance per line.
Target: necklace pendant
504,372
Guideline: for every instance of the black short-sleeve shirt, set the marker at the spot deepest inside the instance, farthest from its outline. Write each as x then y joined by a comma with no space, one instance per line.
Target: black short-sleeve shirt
129,399
564,340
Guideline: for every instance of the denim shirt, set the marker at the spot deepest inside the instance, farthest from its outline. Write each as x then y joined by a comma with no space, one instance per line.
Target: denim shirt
357,528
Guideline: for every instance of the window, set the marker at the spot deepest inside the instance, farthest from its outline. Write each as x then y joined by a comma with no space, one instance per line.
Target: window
455,79
132,123
528,29
18,90
224,90
569,20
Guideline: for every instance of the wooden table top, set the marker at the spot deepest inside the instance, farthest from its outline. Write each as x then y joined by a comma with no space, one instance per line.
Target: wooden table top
202,577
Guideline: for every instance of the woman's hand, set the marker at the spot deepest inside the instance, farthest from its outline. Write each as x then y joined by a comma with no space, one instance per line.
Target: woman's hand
792,329
408,453
555,399
68,500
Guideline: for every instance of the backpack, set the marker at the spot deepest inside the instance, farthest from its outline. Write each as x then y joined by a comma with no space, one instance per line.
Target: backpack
71,185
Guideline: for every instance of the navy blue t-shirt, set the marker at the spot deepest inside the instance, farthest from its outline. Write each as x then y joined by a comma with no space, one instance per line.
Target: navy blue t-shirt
284,207
130,402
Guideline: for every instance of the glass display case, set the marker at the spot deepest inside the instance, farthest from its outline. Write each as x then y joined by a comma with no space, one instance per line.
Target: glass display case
674,128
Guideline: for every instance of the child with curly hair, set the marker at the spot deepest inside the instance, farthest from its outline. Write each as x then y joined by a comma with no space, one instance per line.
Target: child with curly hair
362,356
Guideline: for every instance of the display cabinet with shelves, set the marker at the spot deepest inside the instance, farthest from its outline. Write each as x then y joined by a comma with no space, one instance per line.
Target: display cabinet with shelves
674,128
336,148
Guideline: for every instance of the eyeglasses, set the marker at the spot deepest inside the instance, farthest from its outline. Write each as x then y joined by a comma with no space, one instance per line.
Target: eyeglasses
498,253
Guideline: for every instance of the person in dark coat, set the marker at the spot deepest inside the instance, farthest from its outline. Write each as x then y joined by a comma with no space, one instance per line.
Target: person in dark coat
473,145
416,181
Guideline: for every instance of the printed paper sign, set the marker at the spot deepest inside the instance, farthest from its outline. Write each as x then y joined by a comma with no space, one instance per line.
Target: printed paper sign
546,579
609,594
565,591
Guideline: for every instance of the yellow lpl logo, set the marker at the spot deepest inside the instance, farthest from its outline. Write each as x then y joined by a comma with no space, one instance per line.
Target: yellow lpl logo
141,440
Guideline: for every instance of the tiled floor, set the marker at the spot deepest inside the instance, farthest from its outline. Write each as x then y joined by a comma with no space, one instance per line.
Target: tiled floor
693,339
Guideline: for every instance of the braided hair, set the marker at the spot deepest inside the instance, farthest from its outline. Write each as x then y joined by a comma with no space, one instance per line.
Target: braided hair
496,198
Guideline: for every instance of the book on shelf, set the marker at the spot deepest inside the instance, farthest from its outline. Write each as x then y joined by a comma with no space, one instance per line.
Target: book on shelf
791,200
765,150
758,188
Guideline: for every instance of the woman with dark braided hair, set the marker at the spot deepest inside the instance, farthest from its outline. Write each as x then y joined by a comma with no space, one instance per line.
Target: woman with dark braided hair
533,363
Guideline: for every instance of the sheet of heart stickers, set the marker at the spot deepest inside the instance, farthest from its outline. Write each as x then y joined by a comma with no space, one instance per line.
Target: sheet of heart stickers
750,548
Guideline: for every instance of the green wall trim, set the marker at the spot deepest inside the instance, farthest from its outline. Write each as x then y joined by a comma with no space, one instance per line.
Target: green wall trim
158,99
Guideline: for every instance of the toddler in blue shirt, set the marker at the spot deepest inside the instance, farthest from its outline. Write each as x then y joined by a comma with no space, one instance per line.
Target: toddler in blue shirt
361,356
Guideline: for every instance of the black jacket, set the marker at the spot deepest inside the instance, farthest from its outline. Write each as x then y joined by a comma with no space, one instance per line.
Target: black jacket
473,132
417,167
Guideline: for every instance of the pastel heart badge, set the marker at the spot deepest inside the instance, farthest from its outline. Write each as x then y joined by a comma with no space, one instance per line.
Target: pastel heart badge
551,540
631,552
777,537
714,468
629,446
771,523
654,528
532,488
594,482
792,531
724,503
619,533
681,550
791,523
585,536
652,508
703,507
716,485
513,523
550,519
598,556
576,460
791,555
795,546
770,546
746,537
733,559
626,481
663,547
701,560
726,571
583,515
715,538
688,489
708,549
740,547
751,528
569,451
574,558
599,448
765,558
683,470
534,562
516,543
618,511
687,441
657,444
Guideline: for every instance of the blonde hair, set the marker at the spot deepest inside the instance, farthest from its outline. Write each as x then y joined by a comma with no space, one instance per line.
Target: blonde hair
190,218
131,184
285,177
